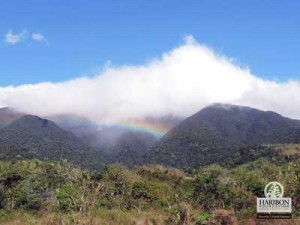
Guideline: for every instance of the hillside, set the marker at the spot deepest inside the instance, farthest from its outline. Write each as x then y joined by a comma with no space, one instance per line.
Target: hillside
34,137
8,115
116,144
219,131
119,144
130,147
80,126
41,192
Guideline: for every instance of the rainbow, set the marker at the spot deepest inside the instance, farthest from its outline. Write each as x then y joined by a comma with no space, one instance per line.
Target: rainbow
156,128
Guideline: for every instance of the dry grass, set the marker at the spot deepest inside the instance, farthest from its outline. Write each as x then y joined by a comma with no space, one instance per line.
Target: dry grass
101,217
119,217
287,149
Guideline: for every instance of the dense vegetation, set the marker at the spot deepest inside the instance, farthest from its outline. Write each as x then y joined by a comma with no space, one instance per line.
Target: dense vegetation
33,137
214,134
7,116
119,144
227,154
220,131
45,192
122,145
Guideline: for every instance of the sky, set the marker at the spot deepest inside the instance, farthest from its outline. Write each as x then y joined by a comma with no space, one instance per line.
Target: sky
118,60
82,36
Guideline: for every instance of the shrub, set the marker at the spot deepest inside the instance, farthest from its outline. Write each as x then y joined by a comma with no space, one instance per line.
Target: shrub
68,198
152,193
116,187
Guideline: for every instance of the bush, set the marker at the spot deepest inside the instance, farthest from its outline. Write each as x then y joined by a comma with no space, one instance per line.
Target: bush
209,191
151,193
116,187
68,198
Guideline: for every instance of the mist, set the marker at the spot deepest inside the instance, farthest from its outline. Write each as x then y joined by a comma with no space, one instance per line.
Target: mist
179,83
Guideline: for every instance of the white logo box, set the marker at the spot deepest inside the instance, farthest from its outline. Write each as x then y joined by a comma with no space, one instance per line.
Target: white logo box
274,205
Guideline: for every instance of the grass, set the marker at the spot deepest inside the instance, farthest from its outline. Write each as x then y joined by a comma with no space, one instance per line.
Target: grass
100,217
119,217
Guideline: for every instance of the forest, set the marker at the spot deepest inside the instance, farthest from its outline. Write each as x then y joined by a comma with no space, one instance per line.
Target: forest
52,192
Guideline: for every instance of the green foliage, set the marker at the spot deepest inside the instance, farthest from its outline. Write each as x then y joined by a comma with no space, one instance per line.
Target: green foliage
203,217
128,148
59,187
30,185
31,137
68,198
116,186
209,191
225,134
152,194
116,179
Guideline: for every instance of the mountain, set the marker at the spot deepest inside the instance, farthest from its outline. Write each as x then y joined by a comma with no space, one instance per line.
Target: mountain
122,145
119,144
78,125
219,131
116,144
34,137
8,115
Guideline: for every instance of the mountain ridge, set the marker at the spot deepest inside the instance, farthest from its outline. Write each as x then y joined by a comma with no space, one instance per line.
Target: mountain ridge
43,139
215,132
220,130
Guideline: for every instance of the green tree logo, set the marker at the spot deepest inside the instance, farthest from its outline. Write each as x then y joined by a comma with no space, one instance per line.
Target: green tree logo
274,189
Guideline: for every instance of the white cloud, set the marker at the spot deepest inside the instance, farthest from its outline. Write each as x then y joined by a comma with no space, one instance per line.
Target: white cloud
180,82
38,37
12,39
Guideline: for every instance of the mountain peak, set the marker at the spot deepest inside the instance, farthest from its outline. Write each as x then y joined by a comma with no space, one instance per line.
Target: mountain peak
8,115
43,139
230,107
5,109
31,121
220,130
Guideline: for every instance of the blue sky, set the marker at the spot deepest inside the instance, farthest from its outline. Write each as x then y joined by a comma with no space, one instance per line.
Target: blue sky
79,37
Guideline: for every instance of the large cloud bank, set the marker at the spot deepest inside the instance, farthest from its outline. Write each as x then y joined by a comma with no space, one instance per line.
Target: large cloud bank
180,83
